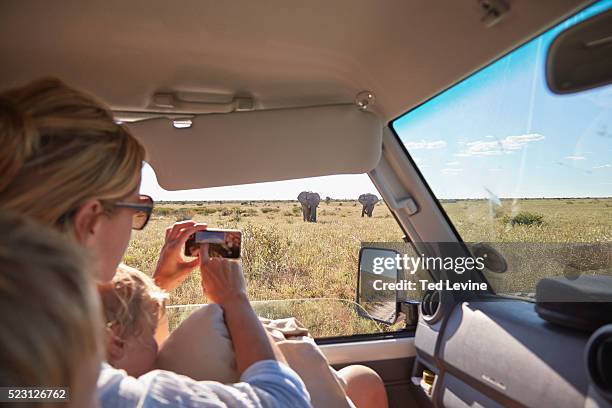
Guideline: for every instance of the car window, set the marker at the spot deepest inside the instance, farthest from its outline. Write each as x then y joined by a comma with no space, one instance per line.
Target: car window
518,166
293,268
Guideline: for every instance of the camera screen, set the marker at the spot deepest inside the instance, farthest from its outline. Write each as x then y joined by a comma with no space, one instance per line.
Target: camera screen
221,243
210,237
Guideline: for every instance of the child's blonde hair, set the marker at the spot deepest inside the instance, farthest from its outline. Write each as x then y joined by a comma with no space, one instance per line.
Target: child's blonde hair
132,302
50,315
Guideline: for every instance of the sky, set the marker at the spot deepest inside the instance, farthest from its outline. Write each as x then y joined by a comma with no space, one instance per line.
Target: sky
348,186
499,133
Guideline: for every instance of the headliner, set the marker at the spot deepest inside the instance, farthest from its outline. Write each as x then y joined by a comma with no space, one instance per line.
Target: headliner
282,53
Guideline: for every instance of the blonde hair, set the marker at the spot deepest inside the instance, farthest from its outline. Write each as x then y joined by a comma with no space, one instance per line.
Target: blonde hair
51,318
132,302
60,148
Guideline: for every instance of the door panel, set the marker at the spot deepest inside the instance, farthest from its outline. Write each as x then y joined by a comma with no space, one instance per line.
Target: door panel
392,359
374,350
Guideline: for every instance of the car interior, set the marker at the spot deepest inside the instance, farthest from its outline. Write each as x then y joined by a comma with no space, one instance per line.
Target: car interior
297,90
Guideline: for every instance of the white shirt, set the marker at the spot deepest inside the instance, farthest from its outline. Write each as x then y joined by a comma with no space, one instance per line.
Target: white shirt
267,383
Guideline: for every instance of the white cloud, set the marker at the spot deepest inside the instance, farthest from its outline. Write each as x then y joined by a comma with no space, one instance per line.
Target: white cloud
506,145
453,163
603,166
453,171
434,144
575,158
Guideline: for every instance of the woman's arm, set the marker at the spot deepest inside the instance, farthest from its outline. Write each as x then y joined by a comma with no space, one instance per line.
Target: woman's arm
242,322
172,267
223,283
266,384
265,381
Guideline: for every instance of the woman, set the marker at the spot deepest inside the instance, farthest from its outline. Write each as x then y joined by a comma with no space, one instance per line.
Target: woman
67,164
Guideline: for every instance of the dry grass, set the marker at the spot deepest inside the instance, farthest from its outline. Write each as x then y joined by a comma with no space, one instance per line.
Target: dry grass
285,258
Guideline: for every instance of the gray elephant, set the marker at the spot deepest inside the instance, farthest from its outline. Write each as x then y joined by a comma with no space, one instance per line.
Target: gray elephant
368,201
309,201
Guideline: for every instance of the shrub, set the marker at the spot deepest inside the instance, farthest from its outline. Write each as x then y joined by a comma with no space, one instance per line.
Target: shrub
524,218
163,211
266,210
265,253
205,211
236,213
184,214
287,213
247,212
229,211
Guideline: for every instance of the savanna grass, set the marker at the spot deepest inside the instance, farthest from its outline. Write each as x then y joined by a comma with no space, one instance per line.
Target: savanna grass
286,258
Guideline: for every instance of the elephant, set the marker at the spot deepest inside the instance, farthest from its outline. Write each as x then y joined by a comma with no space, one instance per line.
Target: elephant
368,201
309,201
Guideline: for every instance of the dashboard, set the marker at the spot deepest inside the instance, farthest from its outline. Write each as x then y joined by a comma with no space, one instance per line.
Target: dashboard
501,353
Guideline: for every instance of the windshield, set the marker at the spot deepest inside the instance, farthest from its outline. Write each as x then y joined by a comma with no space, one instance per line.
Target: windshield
511,162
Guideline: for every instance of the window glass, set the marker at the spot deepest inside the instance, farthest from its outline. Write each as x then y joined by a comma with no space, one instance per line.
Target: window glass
293,268
511,162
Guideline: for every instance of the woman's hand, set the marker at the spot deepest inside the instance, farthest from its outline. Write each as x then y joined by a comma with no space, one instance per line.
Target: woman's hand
172,267
222,279
223,284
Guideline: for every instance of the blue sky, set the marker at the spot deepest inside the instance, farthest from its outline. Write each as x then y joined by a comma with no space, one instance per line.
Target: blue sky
498,133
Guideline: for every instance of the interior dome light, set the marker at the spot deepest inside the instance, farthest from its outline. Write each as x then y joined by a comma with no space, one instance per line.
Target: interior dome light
181,123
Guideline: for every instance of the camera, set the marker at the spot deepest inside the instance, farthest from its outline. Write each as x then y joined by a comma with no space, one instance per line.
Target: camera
222,243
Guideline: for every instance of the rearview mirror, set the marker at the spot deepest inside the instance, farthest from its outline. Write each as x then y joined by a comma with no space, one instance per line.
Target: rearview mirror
580,58
378,267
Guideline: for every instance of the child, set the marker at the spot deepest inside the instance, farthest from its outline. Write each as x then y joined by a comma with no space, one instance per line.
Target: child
133,307
201,347
50,319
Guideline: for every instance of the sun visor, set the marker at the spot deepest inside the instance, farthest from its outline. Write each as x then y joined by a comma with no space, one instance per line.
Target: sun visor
258,146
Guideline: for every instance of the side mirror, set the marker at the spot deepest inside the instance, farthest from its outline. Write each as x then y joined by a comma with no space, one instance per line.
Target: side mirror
580,57
377,267
494,261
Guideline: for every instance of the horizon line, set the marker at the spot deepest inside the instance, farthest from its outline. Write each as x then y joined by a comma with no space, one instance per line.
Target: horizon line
354,199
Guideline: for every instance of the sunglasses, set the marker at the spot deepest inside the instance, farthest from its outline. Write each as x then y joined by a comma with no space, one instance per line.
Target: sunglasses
142,210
